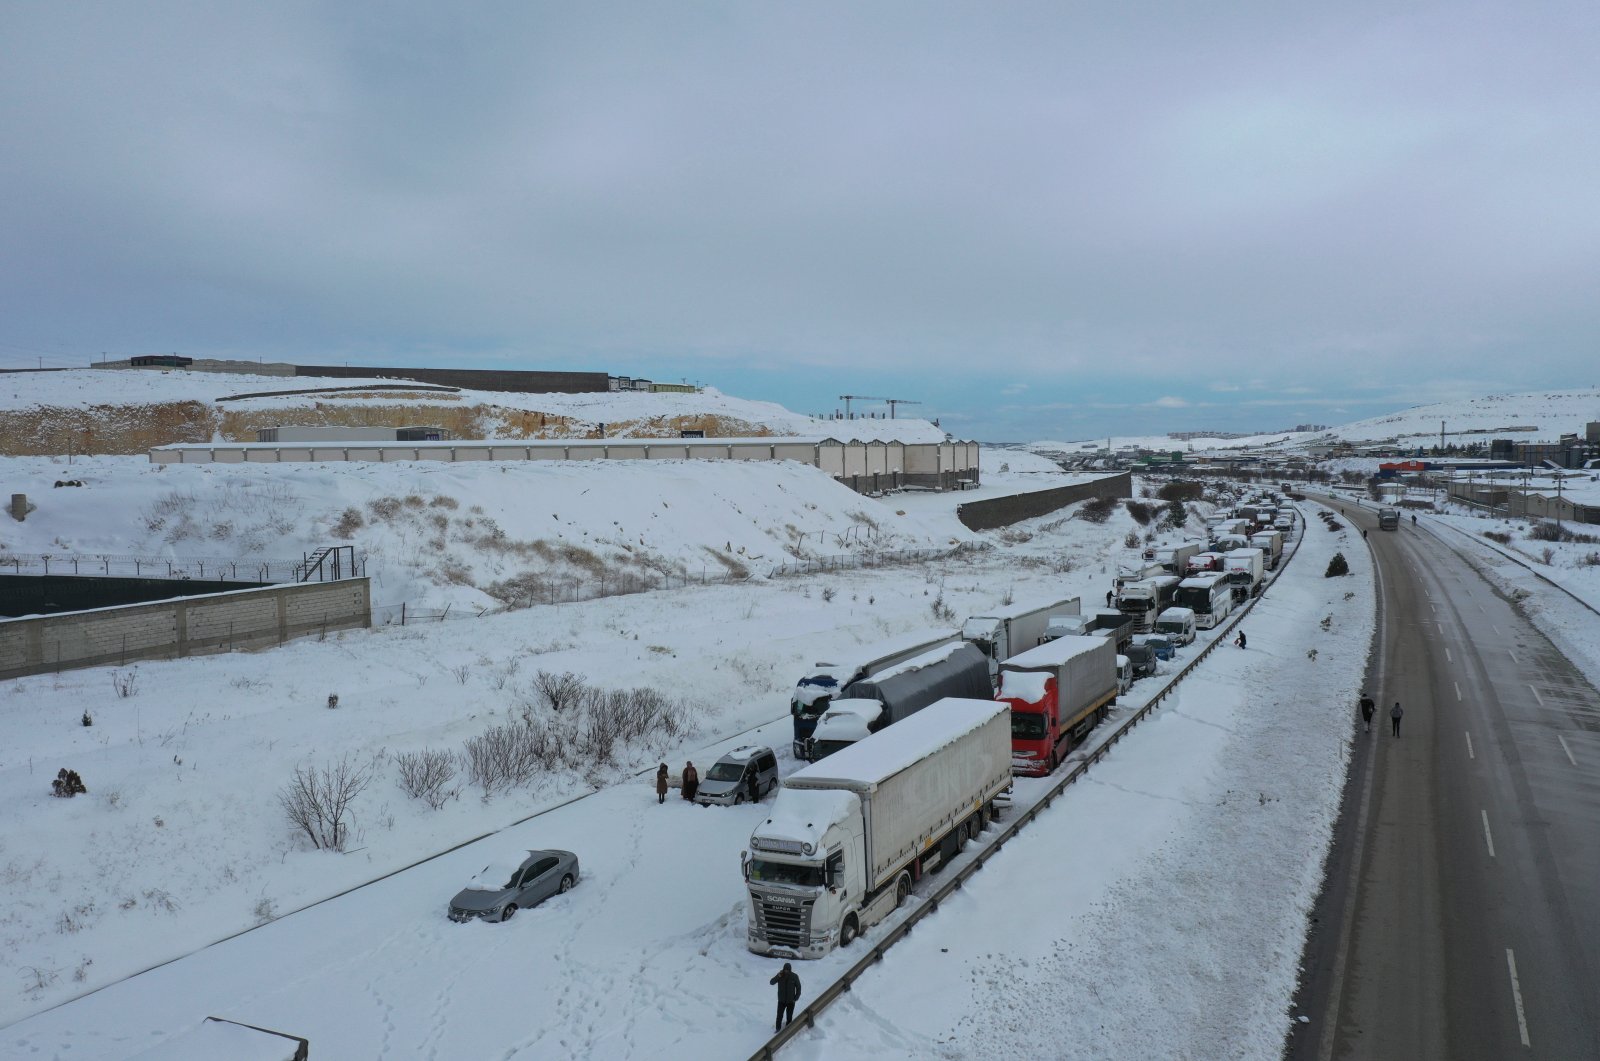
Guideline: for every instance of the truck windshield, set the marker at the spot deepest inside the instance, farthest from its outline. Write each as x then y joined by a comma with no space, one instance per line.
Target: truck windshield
805,875
823,748
1027,725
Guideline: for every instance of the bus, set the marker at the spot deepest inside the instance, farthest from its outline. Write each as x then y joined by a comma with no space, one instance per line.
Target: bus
1209,596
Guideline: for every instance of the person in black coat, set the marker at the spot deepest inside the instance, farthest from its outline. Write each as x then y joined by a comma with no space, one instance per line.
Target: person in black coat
752,781
1367,708
1394,716
788,982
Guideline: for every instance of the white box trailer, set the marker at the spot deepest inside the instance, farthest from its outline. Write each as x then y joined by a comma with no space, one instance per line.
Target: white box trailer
848,835
1003,632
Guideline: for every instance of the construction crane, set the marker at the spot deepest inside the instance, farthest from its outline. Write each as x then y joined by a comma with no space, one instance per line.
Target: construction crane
848,398
898,401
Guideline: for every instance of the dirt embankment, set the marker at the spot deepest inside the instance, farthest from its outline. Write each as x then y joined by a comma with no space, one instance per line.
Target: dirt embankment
134,429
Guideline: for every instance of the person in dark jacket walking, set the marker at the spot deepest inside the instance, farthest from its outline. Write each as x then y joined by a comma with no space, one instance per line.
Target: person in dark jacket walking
691,781
788,982
1241,640
1394,716
752,781
661,784
1367,708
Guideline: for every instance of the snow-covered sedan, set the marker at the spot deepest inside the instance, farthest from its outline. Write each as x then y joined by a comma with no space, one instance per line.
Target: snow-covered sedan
502,888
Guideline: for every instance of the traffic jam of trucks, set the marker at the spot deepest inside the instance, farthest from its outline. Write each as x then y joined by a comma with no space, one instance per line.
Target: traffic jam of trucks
910,746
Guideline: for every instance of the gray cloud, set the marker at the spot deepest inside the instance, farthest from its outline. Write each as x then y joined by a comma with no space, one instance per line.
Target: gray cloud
1200,199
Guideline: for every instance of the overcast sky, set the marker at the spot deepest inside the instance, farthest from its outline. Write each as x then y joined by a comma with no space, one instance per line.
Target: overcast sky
1042,221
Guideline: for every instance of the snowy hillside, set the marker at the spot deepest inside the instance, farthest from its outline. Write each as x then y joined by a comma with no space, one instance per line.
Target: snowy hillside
1549,414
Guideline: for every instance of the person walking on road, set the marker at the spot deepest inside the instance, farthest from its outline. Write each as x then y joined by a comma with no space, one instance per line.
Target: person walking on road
1394,716
1367,709
788,982
661,784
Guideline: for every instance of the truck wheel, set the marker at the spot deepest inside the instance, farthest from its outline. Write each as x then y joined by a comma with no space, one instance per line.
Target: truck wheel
848,933
902,889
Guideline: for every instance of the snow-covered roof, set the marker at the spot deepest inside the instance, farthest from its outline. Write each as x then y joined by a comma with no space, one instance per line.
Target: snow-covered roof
215,1039
848,719
1049,655
1025,685
869,762
802,816
928,658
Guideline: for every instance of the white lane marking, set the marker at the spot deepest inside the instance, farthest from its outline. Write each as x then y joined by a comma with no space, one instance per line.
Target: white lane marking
1447,657
1514,658
1458,690
1516,996
1566,749
1431,607
1469,746
1536,695
1484,610
1495,628
1487,838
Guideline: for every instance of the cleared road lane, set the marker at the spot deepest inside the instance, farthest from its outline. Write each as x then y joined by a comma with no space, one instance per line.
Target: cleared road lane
1461,916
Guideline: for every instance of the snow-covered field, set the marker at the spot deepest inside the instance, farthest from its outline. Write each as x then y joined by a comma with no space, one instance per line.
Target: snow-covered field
1156,911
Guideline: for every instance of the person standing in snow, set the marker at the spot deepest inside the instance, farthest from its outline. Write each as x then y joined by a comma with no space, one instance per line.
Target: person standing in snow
661,784
1241,641
1394,716
752,778
691,781
1367,708
1111,595
788,982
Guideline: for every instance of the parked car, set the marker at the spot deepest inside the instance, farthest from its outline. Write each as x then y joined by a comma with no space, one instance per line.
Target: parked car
1142,656
1163,645
503,888
728,782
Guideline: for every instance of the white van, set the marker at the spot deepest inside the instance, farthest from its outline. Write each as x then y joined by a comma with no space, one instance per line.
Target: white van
1178,623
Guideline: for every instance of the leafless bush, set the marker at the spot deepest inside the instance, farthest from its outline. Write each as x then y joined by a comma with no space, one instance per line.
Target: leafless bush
942,612
266,910
1140,511
427,775
350,521
558,691
1097,510
384,508
1591,560
442,501
1547,554
124,682
160,899
505,755
1498,536
318,800
828,593
462,672
35,979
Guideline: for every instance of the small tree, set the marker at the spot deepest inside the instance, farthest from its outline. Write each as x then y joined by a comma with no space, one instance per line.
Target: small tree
317,801
1337,566
1178,514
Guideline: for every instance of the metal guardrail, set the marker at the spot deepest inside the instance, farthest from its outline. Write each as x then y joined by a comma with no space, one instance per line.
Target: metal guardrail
806,1018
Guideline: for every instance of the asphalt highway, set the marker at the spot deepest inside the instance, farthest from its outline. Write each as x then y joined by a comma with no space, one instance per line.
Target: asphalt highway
1461,914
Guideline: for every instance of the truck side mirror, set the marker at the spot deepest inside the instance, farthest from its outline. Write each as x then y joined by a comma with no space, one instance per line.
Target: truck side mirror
744,864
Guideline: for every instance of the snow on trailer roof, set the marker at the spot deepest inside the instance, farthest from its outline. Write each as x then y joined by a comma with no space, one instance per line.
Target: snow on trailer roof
932,656
1025,685
806,821
849,719
886,753
1051,654
1013,611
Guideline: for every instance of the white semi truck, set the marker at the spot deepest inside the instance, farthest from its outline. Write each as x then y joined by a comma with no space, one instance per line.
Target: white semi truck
1002,633
848,836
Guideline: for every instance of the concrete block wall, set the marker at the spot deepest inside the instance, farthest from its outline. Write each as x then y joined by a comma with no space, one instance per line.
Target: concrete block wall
1014,508
186,626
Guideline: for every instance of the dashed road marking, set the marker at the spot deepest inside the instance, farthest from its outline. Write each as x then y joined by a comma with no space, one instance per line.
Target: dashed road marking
1566,749
1514,658
1447,658
1488,838
1516,996
1470,755
1495,628
1458,690
1536,695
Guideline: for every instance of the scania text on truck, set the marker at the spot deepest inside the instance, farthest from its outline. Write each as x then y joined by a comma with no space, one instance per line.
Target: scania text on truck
1388,519
1209,596
1057,693
813,693
1002,633
1246,573
848,836
955,668
1142,601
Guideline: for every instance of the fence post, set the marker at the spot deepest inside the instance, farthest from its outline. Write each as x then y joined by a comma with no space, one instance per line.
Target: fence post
402,613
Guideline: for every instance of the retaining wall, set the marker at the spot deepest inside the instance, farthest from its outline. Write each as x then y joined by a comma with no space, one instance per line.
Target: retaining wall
1014,508
183,626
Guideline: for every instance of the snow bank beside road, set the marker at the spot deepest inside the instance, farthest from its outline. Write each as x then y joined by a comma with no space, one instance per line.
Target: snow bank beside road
1158,910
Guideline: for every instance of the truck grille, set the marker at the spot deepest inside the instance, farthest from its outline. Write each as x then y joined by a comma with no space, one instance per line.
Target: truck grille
783,924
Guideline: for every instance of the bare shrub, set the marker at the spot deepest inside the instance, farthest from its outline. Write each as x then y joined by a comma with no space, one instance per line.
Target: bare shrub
504,755
441,501
266,910
1181,490
349,522
1547,555
427,775
1142,513
1097,510
942,612
828,593
1545,531
1591,560
462,672
1131,540
124,682
1498,536
318,801
558,691
384,508
523,590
